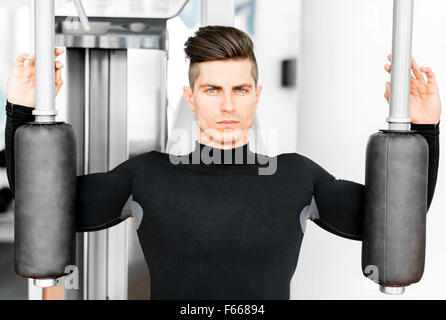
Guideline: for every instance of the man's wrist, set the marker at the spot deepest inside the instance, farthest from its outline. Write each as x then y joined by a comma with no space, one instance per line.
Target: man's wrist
426,127
19,110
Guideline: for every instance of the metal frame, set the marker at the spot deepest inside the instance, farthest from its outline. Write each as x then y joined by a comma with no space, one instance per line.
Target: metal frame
44,43
401,65
45,110
399,119
106,258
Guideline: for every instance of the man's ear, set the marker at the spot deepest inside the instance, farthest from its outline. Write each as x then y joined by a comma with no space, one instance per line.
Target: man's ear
189,96
258,92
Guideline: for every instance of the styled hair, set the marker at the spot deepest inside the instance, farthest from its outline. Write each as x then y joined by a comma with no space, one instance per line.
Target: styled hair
213,43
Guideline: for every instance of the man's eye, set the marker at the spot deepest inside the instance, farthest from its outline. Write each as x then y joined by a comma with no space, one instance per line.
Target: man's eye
213,90
241,90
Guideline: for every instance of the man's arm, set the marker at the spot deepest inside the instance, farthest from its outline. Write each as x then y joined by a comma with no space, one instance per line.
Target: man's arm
100,197
431,132
339,204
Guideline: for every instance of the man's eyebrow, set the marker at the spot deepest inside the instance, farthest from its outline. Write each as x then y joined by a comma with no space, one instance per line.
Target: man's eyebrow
243,85
209,85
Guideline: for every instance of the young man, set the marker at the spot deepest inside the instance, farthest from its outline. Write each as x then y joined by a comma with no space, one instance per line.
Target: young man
221,230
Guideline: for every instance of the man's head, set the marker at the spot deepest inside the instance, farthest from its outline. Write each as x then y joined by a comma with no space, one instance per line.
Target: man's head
223,78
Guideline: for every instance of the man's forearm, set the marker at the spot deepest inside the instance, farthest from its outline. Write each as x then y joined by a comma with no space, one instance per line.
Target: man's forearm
431,133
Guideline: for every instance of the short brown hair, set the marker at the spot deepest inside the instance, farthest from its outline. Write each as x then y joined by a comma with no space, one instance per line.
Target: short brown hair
213,43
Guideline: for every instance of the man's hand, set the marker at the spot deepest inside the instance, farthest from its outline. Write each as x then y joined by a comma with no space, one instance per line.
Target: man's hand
425,104
21,87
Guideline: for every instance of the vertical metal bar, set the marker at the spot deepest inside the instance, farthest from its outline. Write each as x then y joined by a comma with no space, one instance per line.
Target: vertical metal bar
76,70
216,12
86,164
44,65
162,94
86,139
203,12
44,40
98,115
97,265
98,162
117,257
401,65
34,293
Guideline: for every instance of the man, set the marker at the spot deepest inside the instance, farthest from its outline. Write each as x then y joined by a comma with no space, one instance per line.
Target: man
219,229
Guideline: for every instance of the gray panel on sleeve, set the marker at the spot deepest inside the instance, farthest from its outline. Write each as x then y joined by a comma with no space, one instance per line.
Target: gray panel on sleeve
132,209
308,212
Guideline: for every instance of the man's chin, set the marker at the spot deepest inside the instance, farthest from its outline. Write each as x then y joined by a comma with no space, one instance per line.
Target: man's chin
226,137
231,139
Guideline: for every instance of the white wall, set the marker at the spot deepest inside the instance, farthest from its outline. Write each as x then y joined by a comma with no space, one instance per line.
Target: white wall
277,38
342,81
177,70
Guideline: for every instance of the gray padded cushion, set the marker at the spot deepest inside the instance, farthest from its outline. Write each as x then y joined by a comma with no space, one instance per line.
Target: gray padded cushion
45,175
395,207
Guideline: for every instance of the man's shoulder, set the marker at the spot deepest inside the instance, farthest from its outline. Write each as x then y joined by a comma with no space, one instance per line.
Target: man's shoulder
290,156
290,160
297,160
144,157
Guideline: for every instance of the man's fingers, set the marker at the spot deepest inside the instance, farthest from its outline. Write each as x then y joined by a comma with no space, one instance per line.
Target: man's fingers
430,75
414,66
58,51
387,93
26,56
58,65
58,79
20,60
416,70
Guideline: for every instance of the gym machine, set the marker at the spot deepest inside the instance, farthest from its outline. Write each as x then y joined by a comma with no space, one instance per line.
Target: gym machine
112,117
106,106
396,173
100,109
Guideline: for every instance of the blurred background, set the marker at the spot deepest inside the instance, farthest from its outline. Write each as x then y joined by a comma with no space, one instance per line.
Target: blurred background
322,67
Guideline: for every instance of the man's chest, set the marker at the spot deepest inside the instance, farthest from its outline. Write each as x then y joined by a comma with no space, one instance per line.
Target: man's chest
232,213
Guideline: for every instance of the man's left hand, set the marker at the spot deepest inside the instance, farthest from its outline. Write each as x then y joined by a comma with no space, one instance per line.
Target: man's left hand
425,104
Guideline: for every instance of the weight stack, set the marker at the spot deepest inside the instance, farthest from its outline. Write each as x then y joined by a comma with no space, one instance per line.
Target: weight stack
394,233
45,188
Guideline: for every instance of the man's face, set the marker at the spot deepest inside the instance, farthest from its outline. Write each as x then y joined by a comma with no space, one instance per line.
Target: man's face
224,99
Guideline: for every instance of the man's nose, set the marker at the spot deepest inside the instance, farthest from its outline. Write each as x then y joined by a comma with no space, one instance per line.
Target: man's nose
228,103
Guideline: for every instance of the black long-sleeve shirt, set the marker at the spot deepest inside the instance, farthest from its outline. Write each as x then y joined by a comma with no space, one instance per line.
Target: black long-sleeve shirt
216,230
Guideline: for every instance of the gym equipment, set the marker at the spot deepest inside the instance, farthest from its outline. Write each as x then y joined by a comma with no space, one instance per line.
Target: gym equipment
116,80
45,173
396,178
117,104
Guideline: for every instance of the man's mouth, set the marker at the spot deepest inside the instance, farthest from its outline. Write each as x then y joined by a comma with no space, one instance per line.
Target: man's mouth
228,123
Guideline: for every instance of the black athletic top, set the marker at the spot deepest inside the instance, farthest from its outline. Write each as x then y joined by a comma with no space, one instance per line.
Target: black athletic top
216,230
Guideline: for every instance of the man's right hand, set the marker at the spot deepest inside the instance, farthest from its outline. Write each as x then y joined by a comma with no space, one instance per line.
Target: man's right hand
21,87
